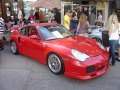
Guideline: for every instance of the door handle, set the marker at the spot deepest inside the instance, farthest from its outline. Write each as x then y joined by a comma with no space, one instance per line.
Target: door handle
19,39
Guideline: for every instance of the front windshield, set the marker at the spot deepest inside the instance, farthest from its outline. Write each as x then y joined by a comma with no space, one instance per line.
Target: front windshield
54,32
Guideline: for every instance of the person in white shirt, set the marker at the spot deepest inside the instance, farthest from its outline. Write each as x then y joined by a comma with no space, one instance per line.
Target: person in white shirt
113,35
50,16
100,19
20,17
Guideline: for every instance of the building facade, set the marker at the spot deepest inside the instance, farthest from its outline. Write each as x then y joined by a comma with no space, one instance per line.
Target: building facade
99,5
10,8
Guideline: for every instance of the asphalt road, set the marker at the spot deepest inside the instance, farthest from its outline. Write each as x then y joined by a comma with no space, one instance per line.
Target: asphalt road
18,72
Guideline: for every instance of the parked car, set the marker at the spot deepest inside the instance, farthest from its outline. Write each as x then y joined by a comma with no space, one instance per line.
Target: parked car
95,32
64,53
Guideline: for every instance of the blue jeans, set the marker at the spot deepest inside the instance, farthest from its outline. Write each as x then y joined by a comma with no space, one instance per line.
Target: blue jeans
113,44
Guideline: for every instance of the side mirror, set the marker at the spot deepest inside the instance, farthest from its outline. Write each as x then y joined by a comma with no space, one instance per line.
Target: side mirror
34,37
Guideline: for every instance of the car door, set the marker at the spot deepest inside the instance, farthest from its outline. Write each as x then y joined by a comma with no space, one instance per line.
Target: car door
34,46
23,40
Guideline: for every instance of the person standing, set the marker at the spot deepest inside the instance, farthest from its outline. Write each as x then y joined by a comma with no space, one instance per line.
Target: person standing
50,16
83,26
57,16
42,16
113,36
67,19
36,15
2,27
12,21
119,44
100,19
92,18
2,23
31,17
86,12
20,17
80,11
74,22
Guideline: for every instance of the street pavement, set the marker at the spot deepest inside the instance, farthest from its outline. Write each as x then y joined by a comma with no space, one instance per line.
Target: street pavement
18,72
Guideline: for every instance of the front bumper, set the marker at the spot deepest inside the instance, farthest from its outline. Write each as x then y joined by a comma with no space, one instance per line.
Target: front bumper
91,68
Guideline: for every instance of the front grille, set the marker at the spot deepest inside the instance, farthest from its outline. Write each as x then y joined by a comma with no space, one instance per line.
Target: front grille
100,68
90,69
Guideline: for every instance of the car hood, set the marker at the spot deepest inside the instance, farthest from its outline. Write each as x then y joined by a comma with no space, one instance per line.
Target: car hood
82,44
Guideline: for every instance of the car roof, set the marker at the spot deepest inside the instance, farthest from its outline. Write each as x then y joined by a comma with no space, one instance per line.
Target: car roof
35,25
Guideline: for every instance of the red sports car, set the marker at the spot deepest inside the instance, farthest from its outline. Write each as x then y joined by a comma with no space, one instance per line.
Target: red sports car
64,53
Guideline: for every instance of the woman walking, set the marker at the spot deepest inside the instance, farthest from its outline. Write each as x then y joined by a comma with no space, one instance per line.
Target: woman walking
83,26
113,36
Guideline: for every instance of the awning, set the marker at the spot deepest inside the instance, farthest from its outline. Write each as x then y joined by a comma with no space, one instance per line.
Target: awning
49,4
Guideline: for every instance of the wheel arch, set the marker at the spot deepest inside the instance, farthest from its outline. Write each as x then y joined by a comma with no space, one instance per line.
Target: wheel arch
101,41
60,59
52,53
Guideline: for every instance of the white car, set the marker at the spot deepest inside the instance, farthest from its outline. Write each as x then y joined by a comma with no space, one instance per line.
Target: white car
95,32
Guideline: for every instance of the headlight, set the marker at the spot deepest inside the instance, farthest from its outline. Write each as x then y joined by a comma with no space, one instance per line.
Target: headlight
101,46
78,55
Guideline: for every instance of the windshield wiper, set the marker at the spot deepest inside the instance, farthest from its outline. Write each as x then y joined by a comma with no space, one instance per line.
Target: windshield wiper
53,39
69,36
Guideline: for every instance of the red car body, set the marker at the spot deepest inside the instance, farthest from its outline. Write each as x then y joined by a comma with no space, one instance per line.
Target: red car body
39,50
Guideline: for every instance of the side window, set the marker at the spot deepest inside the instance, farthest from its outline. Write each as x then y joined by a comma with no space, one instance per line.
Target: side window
32,31
23,31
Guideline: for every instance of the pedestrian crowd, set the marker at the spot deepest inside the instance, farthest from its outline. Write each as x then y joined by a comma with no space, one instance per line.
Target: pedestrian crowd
79,20
35,16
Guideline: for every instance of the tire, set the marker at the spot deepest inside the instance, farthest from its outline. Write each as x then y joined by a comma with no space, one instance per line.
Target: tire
55,64
98,40
14,48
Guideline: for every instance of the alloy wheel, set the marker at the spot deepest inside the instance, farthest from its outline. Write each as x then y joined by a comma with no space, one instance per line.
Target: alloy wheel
54,63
